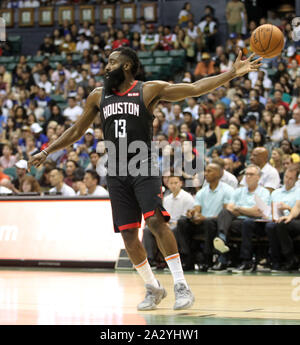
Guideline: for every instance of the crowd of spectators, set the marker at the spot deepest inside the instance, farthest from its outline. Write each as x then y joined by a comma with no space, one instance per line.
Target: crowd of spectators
258,111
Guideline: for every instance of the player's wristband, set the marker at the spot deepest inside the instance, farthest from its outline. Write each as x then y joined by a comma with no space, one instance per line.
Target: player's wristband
45,153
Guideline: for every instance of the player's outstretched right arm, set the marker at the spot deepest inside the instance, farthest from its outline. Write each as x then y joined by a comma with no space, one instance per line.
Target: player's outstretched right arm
74,133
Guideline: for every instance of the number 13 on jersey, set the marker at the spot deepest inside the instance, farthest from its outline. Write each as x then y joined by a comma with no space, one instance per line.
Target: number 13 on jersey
120,128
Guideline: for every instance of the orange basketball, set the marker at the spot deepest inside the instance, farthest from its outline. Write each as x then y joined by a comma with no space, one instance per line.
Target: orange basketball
267,41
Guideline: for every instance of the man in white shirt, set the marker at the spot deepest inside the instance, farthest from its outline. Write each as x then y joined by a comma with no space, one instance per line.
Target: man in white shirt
177,204
279,233
269,178
45,83
73,111
82,44
293,127
56,178
90,185
193,107
150,40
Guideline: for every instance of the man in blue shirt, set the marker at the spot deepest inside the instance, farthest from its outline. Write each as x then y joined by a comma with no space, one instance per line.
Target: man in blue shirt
281,234
209,202
240,217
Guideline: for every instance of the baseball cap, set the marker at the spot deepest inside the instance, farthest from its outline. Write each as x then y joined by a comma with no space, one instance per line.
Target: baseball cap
205,56
291,51
107,47
89,131
233,35
22,164
36,128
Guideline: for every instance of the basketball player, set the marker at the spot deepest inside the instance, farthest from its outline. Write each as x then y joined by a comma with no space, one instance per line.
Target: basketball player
126,108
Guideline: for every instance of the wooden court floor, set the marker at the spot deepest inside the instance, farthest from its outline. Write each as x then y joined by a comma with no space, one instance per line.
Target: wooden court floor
106,297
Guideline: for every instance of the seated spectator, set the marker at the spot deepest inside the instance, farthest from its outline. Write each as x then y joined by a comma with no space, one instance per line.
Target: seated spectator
269,177
259,139
30,148
192,107
150,40
39,137
220,116
227,152
281,234
96,66
4,179
73,111
57,39
168,40
277,129
176,204
56,178
42,98
7,160
212,134
239,218
90,185
21,170
70,169
82,44
287,147
56,75
293,127
120,41
47,48
255,108
43,174
86,144
226,176
209,202
71,89
173,133
29,185
277,161
56,114
205,67
237,149
136,41
184,41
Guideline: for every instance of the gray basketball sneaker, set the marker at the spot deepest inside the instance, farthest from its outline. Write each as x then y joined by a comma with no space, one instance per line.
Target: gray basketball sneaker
184,297
153,297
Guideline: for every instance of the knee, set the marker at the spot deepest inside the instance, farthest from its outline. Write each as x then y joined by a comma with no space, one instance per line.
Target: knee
183,223
247,224
270,227
154,224
130,237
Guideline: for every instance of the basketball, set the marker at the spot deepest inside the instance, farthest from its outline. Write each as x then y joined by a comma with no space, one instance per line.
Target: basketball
267,41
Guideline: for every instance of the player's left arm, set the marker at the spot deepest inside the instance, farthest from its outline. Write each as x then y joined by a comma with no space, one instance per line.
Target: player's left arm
177,92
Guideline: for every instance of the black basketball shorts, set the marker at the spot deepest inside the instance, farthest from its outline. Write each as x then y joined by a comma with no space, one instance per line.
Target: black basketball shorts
132,197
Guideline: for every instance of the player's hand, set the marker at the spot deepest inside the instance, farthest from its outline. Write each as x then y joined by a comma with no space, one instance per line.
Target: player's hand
284,219
242,67
36,160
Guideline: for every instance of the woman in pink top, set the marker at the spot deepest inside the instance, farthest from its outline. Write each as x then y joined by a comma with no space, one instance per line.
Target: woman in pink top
7,160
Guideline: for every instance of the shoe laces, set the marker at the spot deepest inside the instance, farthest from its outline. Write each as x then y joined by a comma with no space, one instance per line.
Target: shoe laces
181,290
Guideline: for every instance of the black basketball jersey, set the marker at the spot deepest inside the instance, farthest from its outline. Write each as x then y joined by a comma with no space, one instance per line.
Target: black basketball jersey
125,119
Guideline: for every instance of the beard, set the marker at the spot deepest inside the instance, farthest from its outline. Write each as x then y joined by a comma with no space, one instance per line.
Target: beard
114,79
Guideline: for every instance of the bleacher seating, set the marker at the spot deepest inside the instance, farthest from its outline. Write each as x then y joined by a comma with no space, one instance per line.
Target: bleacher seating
161,64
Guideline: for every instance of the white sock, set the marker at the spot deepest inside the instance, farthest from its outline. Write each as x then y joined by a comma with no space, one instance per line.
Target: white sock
174,264
145,271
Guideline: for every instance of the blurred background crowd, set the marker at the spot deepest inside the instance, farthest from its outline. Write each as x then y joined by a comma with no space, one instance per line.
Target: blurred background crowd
43,94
